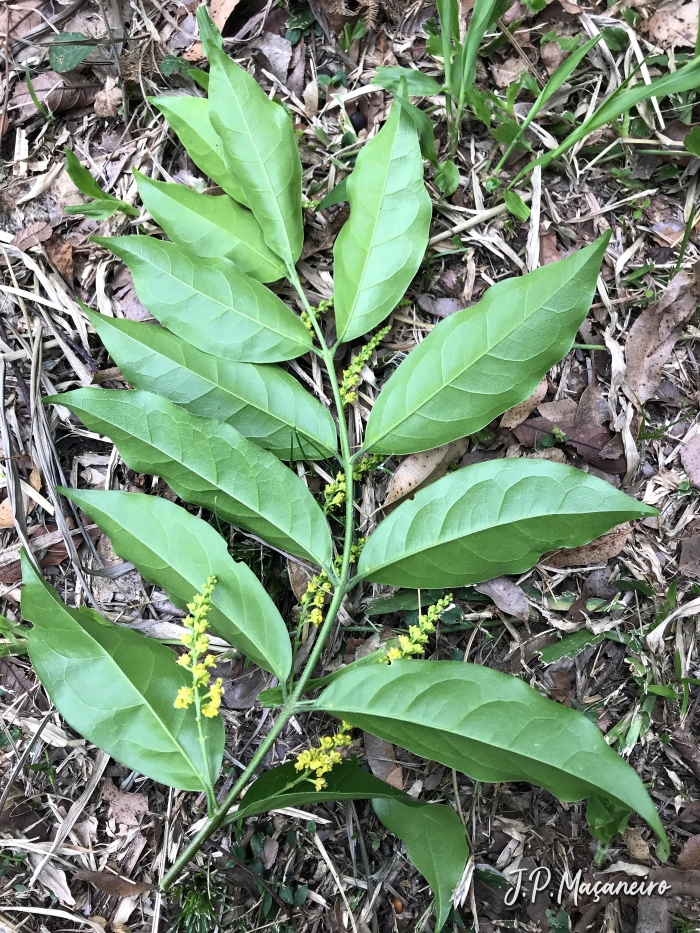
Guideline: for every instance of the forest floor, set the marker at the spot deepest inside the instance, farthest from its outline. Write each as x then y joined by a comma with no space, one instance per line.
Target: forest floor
73,823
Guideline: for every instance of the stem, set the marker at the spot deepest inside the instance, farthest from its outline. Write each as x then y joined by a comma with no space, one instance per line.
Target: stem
342,585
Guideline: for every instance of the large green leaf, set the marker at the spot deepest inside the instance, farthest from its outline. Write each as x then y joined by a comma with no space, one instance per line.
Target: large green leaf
433,834
179,552
481,361
490,519
210,303
117,687
210,226
263,402
436,845
260,149
488,725
381,246
189,117
208,463
347,781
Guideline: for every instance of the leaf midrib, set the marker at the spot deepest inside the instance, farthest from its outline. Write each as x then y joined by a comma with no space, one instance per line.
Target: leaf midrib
261,161
368,251
494,527
487,352
145,702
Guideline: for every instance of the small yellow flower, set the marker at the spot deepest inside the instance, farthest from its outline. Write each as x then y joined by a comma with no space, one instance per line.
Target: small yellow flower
184,660
185,698
316,616
321,760
216,692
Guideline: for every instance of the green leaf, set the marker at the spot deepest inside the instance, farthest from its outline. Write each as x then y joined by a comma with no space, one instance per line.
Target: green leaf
263,402
189,117
418,83
210,226
424,128
210,303
436,845
562,74
347,781
335,196
84,181
569,647
116,687
260,150
491,519
692,141
491,726
515,204
95,210
68,49
210,464
686,78
381,246
481,361
446,177
484,14
209,33
433,834
179,552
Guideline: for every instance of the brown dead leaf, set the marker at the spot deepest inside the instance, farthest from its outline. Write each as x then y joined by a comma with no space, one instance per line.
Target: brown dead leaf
419,470
32,235
113,884
549,251
275,52
690,813
690,458
23,18
60,253
128,809
126,298
49,546
689,564
563,410
508,72
689,859
268,853
552,56
220,10
108,100
516,415
299,577
507,596
637,846
674,24
440,307
56,92
52,878
594,442
562,686
6,517
381,760
597,552
653,335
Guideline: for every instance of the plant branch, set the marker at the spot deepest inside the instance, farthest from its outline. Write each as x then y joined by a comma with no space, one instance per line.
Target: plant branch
341,587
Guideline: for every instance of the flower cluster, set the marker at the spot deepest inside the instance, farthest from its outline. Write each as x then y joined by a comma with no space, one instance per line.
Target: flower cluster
417,638
320,761
313,600
353,374
334,493
197,660
321,308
